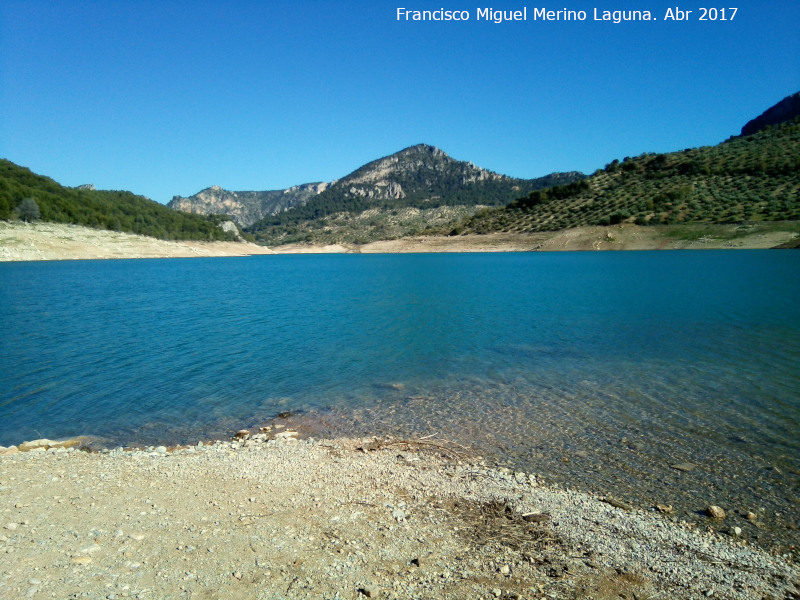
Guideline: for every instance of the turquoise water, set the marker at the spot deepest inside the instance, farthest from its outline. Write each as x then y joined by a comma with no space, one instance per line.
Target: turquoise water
598,369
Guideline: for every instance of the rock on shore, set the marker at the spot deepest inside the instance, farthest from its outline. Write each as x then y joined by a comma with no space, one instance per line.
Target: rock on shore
281,518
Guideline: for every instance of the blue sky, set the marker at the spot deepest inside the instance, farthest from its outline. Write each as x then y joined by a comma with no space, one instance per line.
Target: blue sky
164,98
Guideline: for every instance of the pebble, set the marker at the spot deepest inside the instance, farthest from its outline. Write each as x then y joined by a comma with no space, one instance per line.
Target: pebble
715,512
536,517
685,467
618,504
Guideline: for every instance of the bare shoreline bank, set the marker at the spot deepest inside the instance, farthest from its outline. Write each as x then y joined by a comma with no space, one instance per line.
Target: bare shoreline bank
379,518
53,241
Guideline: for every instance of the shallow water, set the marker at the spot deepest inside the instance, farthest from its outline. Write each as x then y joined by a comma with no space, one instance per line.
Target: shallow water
599,370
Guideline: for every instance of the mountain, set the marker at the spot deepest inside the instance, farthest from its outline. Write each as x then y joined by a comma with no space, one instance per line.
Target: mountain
245,208
398,195
785,110
103,209
753,178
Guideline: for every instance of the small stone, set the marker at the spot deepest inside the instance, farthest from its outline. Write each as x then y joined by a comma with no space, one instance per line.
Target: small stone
685,467
618,504
242,434
161,450
12,526
715,512
664,508
497,592
82,560
505,570
536,517
737,531
751,516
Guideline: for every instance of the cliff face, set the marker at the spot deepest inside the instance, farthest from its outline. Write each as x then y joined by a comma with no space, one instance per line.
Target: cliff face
245,208
785,110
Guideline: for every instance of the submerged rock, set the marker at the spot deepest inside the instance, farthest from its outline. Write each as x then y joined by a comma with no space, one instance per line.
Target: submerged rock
46,444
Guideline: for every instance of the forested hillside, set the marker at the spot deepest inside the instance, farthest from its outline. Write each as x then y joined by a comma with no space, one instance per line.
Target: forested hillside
112,210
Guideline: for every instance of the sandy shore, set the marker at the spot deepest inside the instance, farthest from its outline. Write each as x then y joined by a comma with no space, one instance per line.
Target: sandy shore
52,241
278,518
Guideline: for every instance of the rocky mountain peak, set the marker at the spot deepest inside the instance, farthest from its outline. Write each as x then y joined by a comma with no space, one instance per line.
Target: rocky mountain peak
785,110
245,208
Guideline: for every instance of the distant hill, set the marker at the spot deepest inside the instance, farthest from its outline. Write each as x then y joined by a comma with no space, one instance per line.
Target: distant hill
112,210
785,110
752,178
245,208
398,195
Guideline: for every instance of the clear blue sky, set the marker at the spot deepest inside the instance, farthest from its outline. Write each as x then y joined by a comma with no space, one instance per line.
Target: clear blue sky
164,98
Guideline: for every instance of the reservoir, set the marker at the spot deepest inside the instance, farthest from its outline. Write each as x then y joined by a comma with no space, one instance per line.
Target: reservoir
599,371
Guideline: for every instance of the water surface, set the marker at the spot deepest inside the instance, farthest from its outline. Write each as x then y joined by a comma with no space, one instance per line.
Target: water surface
597,369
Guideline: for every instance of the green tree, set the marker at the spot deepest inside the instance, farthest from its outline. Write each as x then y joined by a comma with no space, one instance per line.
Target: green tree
28,210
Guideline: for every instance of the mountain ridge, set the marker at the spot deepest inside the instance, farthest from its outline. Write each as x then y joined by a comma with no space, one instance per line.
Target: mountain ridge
417,178
245,207
393,196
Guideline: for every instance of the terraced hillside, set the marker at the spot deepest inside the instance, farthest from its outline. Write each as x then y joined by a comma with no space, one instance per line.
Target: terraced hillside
745,179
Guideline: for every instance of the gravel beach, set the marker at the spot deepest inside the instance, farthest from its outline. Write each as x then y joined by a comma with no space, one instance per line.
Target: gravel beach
268,516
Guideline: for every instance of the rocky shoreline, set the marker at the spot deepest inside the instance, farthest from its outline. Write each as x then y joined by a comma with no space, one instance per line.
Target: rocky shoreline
267,516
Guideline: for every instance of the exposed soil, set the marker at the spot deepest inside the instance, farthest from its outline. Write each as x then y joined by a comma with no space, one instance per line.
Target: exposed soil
52,241
56,241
